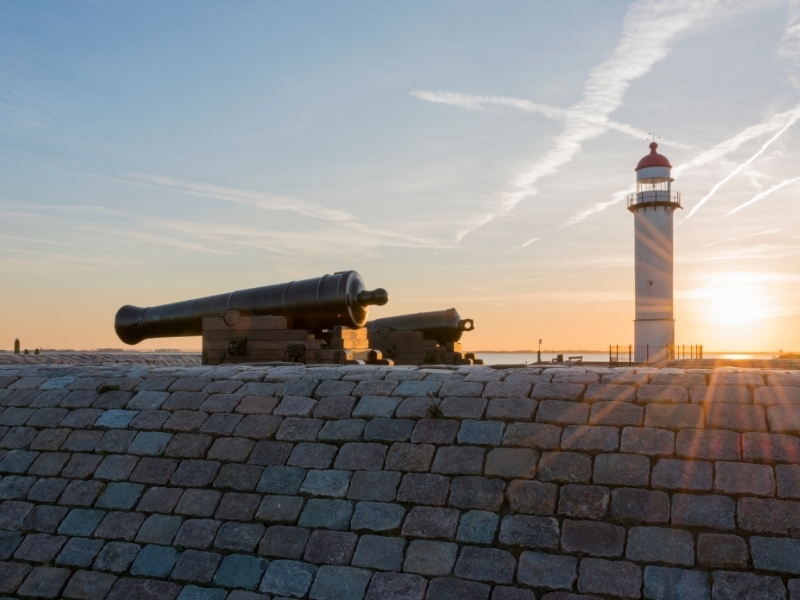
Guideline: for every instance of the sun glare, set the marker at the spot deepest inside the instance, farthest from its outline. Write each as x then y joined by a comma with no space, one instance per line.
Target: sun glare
734,299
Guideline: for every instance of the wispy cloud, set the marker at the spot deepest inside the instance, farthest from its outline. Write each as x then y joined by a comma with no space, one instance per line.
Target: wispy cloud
792,120
528,243
642,46
616,198
764,194
479,103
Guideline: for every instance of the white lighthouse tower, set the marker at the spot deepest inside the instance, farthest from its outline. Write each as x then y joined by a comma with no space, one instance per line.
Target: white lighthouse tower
652,206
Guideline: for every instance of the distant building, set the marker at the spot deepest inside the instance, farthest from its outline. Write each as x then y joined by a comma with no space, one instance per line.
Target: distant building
653,206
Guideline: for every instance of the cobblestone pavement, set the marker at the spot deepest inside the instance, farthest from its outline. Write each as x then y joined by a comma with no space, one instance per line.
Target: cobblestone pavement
342,483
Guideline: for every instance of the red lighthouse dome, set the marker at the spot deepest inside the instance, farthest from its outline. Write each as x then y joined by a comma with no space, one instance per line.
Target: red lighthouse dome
654,159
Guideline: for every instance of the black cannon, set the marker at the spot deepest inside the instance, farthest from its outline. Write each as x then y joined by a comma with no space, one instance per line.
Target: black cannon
312,304
440,325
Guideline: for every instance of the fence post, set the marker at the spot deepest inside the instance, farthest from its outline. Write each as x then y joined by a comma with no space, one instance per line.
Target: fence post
609,355
647,355
630,355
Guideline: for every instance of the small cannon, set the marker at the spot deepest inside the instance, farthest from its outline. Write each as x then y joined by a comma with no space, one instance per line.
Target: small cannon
441,325
312,304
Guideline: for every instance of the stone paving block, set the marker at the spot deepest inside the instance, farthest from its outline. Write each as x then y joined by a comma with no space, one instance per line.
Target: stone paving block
374,388
288,578
298,387
270,453
355,456
52,439
622,469
770,447
425,557
143,589
147,400
89,585
549,571
339,583
774,395
263,427
647,441
119,526
629,505
81,522
243,478
159,500
736,418
236,506
17,461
116,557
13,514
457,589
45,519
197,533
300,406
326,514
47,417
196,566
344,430
148,420
417,408
686,380
19,438
78,493
240,571
279,509
14,486
565,467
40,547
764,515
464,460
616,413
674,394
435,431
231,449
788,477
571,392
427,522
462,407
532,497
115,419
592,538
663,583
507,389
477,527
195,473
198,503
188,445
336,407
256,405
744,478
44,582
481,433
45,489
672,474
721,551
150,443
377,516
720,394
782,419
12,575
242,537
184,401
477,492
330,547
379,552
194,592
730,585
609,392
154,470
590,438
486,564
372,407
220,423
281,480
463,389
532,435
329,483
79,441
529,532
155,561
396,586
15,416
410,388
674,416
378,486
511,409
388,430
781,555
660,545
119,496
584,501
116,467
562,413
483,374
9,542
614,577
77,419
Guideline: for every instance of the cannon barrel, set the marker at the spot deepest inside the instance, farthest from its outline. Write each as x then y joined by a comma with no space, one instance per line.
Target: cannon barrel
312,304
440,325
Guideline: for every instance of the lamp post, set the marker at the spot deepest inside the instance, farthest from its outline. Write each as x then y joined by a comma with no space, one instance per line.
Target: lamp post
539,354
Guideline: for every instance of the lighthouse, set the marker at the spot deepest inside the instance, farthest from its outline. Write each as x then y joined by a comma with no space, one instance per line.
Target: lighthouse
653,206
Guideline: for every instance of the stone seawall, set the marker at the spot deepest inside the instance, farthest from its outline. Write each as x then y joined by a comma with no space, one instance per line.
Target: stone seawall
342,483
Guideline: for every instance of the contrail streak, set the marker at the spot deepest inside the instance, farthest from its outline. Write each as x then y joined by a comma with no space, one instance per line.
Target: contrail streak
764,194
733,173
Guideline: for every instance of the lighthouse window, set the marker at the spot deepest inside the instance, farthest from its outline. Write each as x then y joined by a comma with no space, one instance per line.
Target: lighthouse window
653,185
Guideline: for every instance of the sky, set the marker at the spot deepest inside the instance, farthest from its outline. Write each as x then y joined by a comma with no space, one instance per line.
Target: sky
467,154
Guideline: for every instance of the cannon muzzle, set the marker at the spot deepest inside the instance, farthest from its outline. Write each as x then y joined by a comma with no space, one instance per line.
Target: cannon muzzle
440,325
312,304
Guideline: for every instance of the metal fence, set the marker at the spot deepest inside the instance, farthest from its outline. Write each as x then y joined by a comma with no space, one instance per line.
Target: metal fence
651,354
